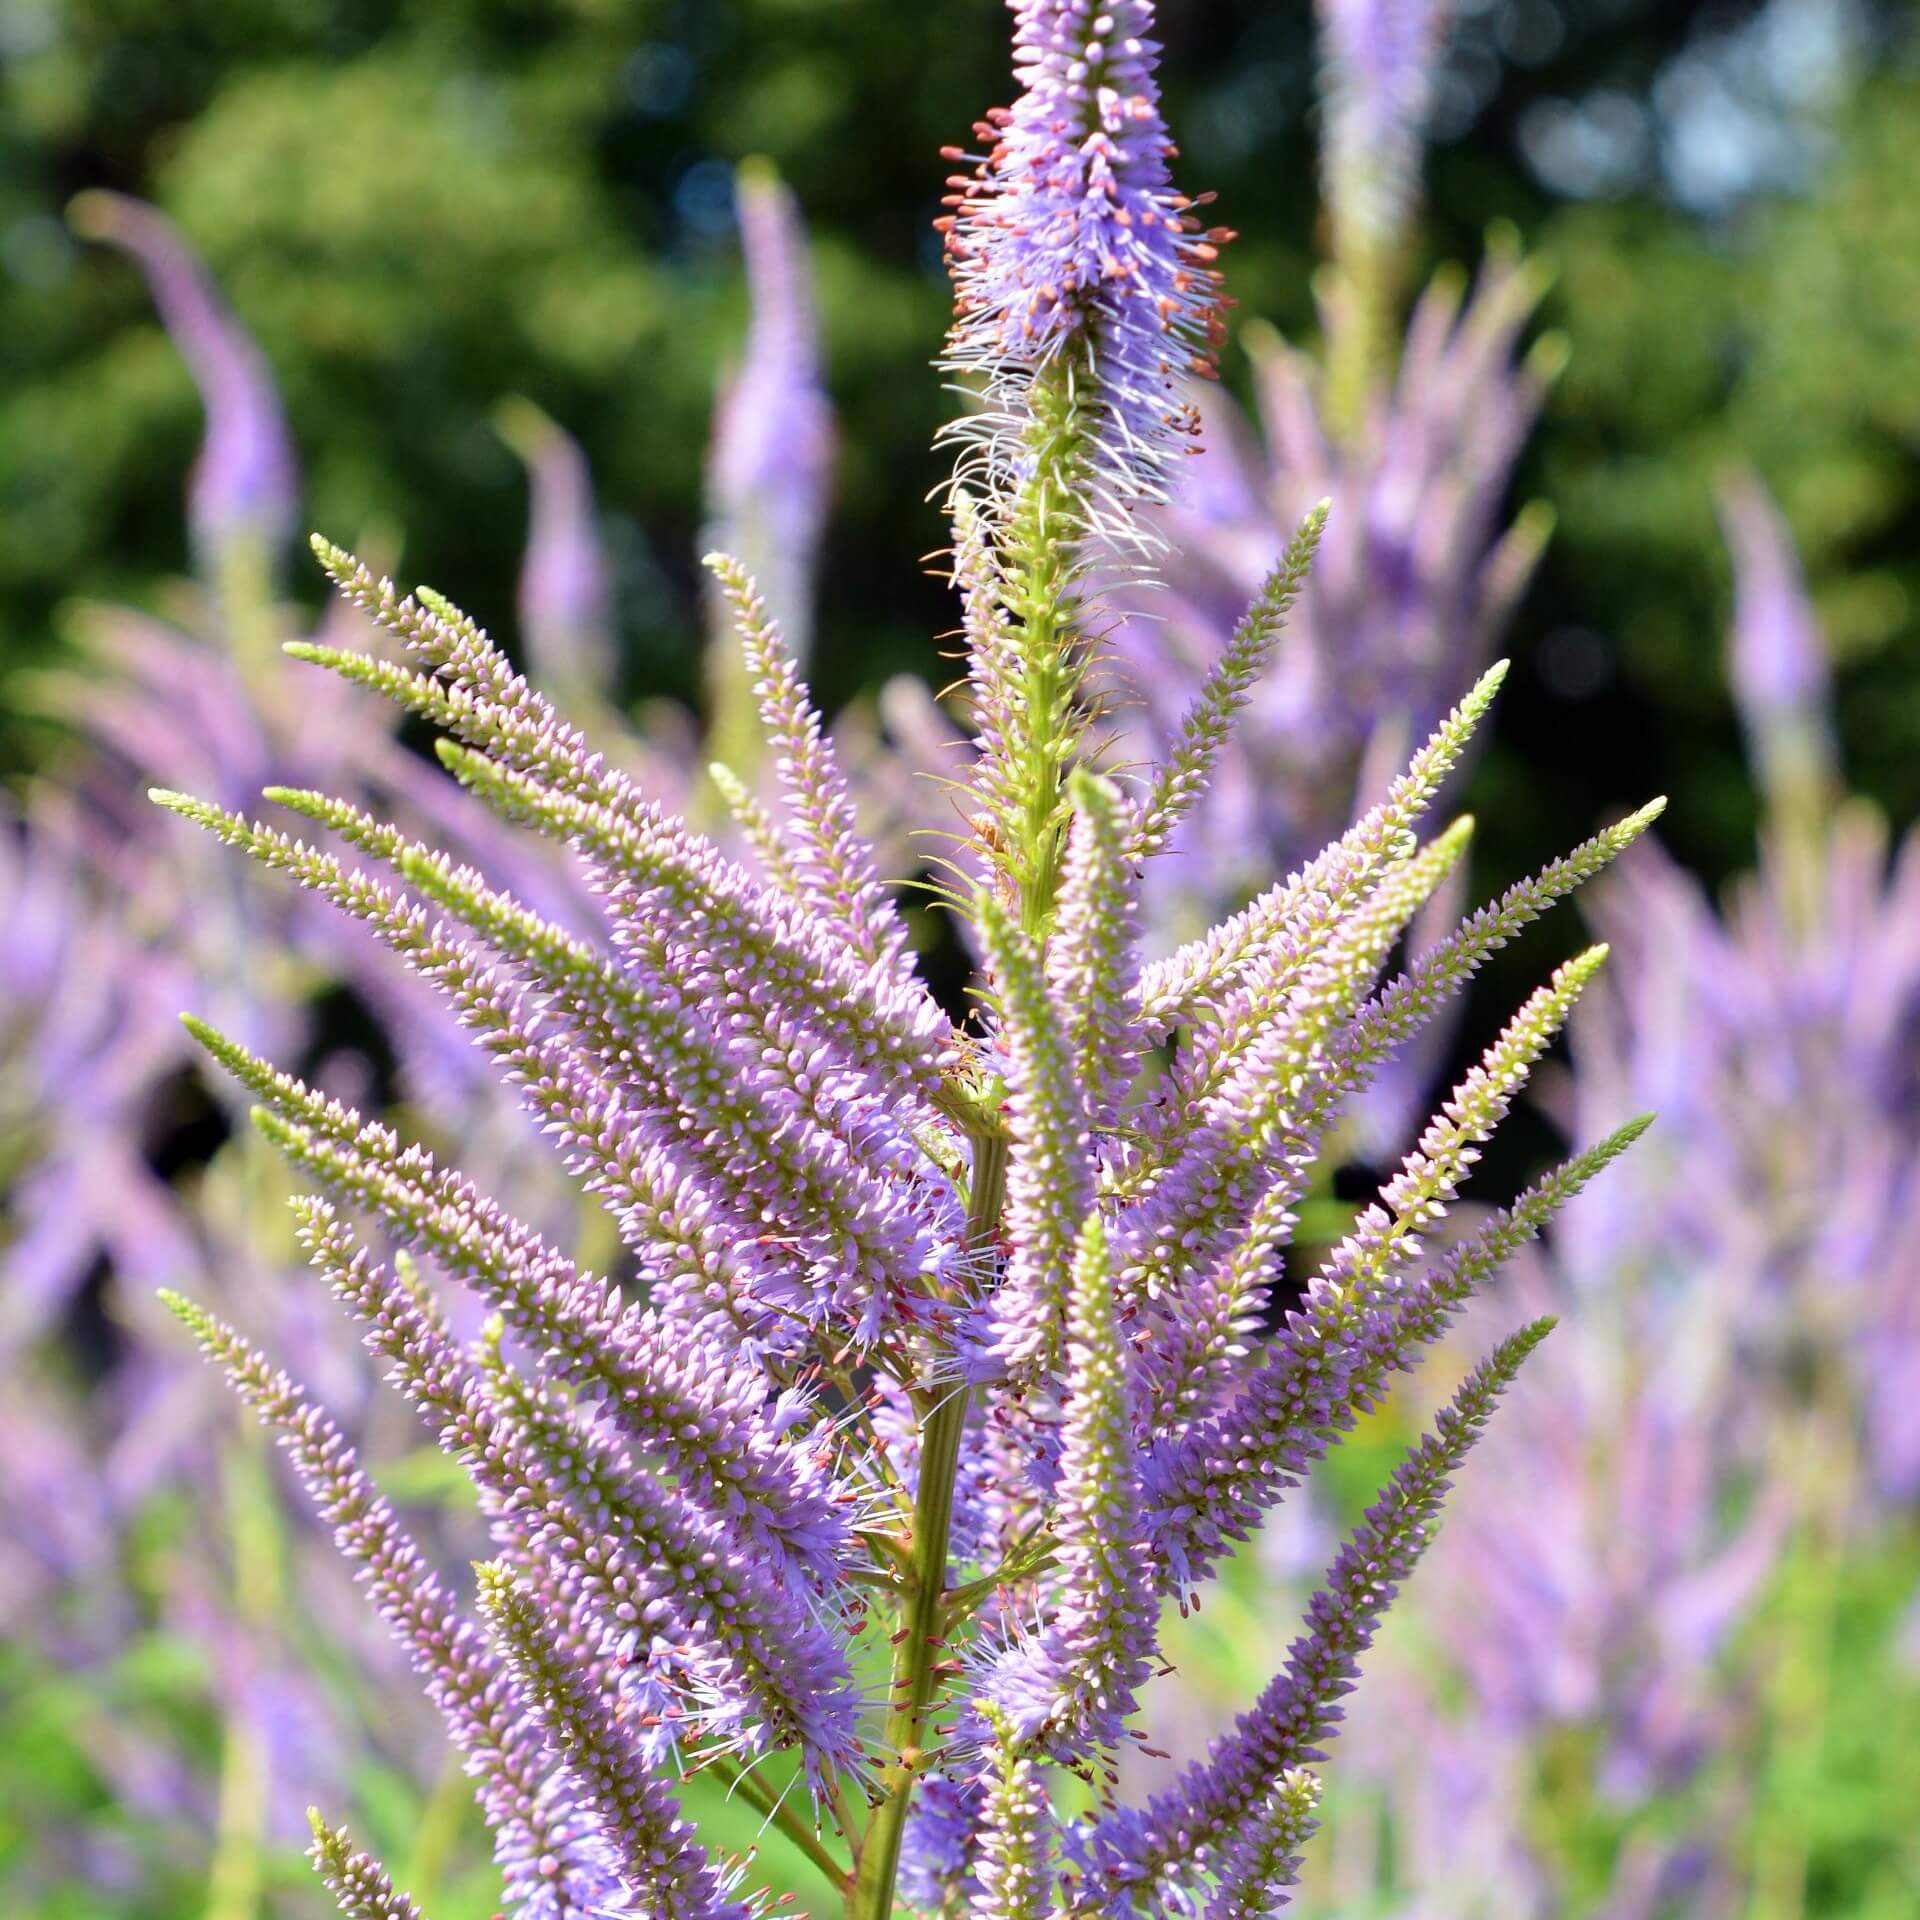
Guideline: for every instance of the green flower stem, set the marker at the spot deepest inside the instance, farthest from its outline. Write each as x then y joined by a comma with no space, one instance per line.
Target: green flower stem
1822,1469
787,1818
1040,559
437,1833
1040,563
914,1682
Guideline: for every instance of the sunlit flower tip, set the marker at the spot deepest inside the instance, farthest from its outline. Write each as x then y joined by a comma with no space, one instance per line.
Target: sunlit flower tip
1068,232
358,1883
245,484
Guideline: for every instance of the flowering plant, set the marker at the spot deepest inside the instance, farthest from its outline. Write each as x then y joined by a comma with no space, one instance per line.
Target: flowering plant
938,1379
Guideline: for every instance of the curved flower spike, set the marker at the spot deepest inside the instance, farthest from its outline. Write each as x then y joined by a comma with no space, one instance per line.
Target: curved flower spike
245,485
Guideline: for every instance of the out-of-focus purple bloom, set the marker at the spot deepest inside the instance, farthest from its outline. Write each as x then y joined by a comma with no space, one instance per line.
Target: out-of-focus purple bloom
245,484
1380,57
1748,1302
770,467
565,602
1778,662
102,922
86,1037
1069,239
1410,589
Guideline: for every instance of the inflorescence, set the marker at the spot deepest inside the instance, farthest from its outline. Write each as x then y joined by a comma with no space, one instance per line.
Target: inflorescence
942,1369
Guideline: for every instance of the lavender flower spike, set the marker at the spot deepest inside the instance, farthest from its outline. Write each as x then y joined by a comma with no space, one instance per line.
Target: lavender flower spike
770,469
1380,57
566,616
534,1836
245,486
1016,1878
1070,249
947,1357
1071,1690
1777,660
1188,1831
666,1872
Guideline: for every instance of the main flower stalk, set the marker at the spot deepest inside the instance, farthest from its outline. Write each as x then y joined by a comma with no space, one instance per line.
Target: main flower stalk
1039,561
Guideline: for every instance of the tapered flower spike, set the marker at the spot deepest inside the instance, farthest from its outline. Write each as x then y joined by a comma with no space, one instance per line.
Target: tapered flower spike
1200,975
1245,1142
1248,1023
1381,58
536,1837
1015,1871
655,869
1188,1832
636,1553
666,1872
1093,961
677,1393
1777,665
358,1883
836,866
245,485
565,598
1070,1690
1213,1481
757,827
770,467
675,1396
1050,1166
856,1229
1265,1861
1071,252
1208,722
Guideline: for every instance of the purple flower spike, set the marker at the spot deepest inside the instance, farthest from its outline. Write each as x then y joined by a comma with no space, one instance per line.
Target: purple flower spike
936,1342
1777,661
1069,235
245,484
566,618
1380,58
770,469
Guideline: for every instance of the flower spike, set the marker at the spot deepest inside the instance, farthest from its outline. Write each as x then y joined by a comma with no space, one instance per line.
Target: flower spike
942,1353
